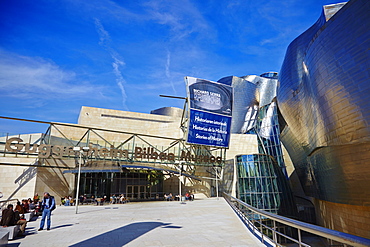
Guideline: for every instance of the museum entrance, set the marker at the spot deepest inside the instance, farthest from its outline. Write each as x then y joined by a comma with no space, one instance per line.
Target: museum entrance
132,184
137,192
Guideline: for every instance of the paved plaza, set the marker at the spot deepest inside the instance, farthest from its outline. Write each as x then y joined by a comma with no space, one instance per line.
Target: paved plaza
203,222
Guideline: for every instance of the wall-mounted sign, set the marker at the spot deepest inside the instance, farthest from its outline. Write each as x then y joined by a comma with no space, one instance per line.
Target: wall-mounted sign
139,154
210,112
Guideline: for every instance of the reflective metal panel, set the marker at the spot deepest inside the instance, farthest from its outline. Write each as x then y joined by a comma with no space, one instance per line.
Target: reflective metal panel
168,111
244,105
267,90
324,97
250,93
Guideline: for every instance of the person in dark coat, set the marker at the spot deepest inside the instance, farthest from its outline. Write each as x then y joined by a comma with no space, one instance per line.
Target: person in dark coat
8,217
11,218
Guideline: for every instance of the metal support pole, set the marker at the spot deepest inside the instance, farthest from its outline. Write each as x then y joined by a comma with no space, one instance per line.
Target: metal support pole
80,150
78,180
180,184
261,229
216,183
274,233
180,176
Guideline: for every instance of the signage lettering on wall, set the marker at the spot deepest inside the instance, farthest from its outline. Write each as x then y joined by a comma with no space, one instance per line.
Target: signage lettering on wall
45,151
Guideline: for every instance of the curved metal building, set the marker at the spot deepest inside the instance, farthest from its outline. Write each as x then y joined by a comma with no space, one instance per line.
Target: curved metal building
324,97
261,177
251,92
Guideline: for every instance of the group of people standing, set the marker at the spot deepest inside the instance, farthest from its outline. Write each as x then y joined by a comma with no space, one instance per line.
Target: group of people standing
15,216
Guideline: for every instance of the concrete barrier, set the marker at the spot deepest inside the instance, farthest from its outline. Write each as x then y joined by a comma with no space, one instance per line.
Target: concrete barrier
4,235
12,230
28,216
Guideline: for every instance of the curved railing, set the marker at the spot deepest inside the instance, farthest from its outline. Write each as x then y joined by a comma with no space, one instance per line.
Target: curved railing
265,224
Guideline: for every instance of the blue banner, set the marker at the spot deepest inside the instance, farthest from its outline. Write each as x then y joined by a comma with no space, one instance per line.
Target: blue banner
210,112
208,129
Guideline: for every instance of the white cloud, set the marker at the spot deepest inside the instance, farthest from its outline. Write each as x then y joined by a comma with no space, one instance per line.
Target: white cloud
168,72
26,77
105,9
168,62
117,61
182,17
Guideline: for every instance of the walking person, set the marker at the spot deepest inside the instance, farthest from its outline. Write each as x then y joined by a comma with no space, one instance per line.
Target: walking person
48,205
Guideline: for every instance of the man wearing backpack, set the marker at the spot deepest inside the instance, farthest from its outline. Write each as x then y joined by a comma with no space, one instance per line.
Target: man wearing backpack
48,205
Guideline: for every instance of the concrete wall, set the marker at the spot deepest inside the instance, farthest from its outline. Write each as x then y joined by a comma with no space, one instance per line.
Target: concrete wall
17,182
140,123
242,144
22,182
53,180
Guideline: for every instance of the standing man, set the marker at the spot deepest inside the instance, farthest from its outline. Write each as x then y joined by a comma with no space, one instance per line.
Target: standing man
48,205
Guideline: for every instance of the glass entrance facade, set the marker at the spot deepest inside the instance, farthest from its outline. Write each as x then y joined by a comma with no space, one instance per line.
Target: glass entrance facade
258,184
262,184
133,184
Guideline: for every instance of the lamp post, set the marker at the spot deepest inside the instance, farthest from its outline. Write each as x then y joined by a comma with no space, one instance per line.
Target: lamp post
216,182
181,166
180,184
79,173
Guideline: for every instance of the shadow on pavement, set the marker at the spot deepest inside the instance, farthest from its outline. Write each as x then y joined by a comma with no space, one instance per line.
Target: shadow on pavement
13,245
30,231
90,211
175,227
122,235
60,226
34,218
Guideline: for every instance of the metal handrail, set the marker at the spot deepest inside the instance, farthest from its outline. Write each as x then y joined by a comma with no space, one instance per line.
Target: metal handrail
341,237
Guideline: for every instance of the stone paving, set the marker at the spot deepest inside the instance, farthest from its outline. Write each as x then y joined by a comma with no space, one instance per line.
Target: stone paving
205,222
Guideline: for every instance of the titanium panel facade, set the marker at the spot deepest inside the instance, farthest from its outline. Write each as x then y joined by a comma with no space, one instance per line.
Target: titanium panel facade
261,178
244,103
251,92
324,97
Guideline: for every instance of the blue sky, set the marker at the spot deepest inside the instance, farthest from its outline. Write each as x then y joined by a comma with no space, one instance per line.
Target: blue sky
56,56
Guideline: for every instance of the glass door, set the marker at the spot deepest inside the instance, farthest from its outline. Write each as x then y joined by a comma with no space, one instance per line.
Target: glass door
136,191
129,193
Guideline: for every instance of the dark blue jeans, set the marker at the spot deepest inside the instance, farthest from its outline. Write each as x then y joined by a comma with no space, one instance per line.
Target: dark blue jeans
45,213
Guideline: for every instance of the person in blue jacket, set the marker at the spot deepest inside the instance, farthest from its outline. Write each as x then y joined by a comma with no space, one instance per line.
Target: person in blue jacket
48,205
